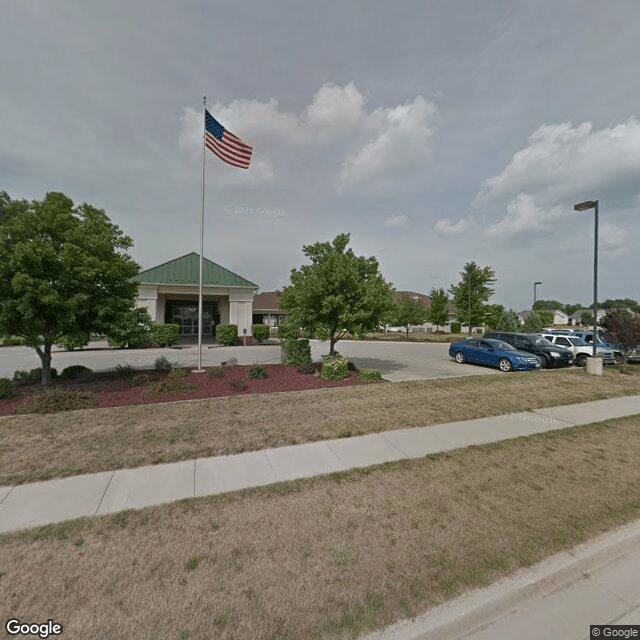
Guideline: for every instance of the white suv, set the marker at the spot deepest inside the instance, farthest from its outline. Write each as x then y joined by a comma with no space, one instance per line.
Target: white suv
580,349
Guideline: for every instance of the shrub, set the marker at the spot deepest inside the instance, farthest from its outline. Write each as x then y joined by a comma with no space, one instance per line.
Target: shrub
164,335
76,372
58,400
370,374
123,371
215,372
295,351
334,368
310,368
177,373
238,385
13,341
6,389
227,334
162,364
257,371
139,380
456,327
32,377
260,332
168,387
132,328
74,342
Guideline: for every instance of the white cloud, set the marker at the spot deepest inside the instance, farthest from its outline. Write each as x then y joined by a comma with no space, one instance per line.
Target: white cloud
615,239
395,222
402,137
446,227
563,163
523,216
335,108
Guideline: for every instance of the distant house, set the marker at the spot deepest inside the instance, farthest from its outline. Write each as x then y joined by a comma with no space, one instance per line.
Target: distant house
425,303
170,293
560,317
266,309
575,319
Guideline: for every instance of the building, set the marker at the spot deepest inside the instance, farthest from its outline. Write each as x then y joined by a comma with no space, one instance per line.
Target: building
170,291
266,309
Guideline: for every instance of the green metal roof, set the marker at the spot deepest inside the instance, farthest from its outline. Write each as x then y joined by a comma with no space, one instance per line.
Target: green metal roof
186,270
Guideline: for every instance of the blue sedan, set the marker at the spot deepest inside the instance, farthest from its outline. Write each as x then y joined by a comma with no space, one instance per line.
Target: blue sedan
495,353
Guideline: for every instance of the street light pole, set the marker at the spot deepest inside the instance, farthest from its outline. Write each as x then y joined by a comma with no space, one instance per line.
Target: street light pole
535,284
583,206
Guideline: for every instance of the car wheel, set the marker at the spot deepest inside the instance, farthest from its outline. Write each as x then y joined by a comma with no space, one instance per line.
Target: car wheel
581,359
504,365
544,363
617,358
460,357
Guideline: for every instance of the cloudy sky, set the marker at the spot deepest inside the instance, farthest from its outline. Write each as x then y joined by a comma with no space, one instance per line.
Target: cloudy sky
435,132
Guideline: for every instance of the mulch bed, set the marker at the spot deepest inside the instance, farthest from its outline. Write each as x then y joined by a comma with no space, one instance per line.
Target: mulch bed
121,391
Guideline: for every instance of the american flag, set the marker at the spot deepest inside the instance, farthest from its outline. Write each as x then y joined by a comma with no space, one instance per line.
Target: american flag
224,144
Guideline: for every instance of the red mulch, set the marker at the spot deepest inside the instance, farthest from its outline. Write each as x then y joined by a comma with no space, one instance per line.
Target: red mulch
117,393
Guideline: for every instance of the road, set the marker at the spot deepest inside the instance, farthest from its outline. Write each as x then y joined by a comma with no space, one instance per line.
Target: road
397,361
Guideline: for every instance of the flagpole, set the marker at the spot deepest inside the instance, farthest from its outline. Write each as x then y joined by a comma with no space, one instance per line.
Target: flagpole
200,369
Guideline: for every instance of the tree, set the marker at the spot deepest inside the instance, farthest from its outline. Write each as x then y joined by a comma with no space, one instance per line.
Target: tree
532,323
493,315
338,293
407,312
438,313
550,305
586,319
472,292
546,316
621,329
509,321
64,272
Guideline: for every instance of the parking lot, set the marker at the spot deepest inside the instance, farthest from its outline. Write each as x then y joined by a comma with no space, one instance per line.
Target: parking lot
397,361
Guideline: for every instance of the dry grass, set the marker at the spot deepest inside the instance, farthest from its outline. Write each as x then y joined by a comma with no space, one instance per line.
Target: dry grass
329,557
42,447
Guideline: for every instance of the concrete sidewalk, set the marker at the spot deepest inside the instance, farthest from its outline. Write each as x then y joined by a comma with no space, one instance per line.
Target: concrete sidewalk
40,503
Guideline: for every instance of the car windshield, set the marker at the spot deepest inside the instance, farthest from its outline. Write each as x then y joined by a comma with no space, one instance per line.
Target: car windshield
543,342
503,346
578,342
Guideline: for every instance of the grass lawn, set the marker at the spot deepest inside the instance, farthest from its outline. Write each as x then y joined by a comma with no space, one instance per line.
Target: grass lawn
329,557
39,447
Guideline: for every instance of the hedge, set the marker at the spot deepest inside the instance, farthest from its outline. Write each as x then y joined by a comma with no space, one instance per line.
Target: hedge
227,334
164,335
260,332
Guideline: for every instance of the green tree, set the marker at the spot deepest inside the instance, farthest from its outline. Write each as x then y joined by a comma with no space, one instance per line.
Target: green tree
550,305
472,292
64,272
407,312
509,321
532,323
586,319
438,313
493,315
546,316
338,293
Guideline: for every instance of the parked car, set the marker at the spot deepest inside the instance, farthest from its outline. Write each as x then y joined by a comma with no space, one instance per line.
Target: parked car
581,350
563,332
494,353
587,336
550,355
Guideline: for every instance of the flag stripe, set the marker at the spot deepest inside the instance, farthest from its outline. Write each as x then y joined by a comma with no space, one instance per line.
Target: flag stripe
225,145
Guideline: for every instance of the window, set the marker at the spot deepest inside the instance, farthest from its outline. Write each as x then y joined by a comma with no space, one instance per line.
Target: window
563,341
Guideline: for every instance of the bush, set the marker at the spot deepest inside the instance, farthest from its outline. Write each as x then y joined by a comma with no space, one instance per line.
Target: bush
260,332
168,387
334,368
76,372
456,327
238,385
6,389
310,368
177,373
13,341
139,380
227,334
295,351
164,335
74,342
257,371
215,372
58,400
162,364
370,374
123,371
32,377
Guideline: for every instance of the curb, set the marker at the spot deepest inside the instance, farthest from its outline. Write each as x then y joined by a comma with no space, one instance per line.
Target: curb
467,613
